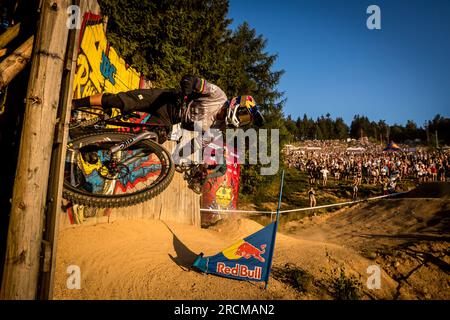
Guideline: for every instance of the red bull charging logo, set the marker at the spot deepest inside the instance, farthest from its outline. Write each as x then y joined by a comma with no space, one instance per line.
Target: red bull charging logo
246,250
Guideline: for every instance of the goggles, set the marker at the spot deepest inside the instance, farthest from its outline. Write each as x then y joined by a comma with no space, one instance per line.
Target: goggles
244,116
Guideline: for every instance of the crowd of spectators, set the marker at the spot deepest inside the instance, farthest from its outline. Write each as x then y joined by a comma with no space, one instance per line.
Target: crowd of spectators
365,162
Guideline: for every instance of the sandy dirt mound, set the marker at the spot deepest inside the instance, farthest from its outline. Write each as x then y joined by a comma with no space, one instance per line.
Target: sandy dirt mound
314,257
430,190
408,237
147,259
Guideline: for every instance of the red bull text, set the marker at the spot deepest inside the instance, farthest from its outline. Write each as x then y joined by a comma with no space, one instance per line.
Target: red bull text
239,271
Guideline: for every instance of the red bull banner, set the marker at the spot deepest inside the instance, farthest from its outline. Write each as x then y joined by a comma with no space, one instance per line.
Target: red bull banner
247,259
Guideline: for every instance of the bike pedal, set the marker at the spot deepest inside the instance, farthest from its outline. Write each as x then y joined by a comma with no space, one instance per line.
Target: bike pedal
90,157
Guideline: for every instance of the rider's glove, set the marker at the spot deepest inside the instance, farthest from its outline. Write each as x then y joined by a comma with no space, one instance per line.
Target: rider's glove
190,84
187,84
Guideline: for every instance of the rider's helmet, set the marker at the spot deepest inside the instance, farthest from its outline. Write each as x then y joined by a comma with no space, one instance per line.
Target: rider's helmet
242,110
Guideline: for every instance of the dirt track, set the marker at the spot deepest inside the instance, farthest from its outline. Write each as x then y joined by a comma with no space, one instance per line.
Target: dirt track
408,236
149,259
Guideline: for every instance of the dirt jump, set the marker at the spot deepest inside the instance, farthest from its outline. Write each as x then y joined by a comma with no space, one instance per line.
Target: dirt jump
323,257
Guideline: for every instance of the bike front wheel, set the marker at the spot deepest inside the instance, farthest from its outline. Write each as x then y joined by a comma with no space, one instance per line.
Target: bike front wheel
106,180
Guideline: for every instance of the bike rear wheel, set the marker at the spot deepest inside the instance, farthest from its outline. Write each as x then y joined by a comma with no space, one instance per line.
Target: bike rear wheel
128,177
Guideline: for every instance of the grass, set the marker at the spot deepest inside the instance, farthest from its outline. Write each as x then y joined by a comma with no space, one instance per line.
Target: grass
344,287
294,276
338,284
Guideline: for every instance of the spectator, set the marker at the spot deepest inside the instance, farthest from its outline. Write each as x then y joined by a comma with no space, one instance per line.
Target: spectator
441,171
325,173
355,190
385,183
371,165
312,197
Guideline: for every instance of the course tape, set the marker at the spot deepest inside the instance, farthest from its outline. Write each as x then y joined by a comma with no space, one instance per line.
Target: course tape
307,208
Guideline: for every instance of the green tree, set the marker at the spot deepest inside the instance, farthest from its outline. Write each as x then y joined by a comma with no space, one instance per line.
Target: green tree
440,126
291,126
250,71
340,129
411,130
300,129
384,131
166,39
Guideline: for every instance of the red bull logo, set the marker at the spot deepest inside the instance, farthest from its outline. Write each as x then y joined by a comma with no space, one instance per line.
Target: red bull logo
246,250
239,271
237,261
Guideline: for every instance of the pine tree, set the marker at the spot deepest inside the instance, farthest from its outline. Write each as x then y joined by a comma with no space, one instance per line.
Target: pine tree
167,39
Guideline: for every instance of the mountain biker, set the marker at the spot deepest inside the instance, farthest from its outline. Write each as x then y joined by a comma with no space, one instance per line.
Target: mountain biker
197,101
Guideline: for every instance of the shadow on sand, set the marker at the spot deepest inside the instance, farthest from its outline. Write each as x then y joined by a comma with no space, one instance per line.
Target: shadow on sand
184,256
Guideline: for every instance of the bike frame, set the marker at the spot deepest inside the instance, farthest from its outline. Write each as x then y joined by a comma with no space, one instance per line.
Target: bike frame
133,140
121,146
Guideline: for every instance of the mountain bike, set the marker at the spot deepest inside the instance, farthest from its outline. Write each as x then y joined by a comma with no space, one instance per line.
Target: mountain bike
115,161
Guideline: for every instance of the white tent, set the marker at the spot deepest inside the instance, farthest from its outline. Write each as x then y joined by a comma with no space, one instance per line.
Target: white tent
356,149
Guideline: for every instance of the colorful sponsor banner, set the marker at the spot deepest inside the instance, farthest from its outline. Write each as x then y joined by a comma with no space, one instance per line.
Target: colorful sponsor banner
99,67
142,170
247,259
221,192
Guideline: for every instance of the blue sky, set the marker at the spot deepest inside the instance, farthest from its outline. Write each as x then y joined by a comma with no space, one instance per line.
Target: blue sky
334,64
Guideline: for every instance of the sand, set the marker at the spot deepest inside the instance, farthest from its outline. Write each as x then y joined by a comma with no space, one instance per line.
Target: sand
150,259
409,237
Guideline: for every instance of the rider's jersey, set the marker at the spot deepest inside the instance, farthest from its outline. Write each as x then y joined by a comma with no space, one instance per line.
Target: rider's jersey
204,108
200,114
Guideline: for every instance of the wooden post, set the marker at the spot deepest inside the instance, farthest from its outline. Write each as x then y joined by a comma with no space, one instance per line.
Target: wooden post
21,272
15,63
9,35
56,177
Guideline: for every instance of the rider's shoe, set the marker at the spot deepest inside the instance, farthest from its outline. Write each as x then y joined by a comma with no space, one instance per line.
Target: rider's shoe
196,187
